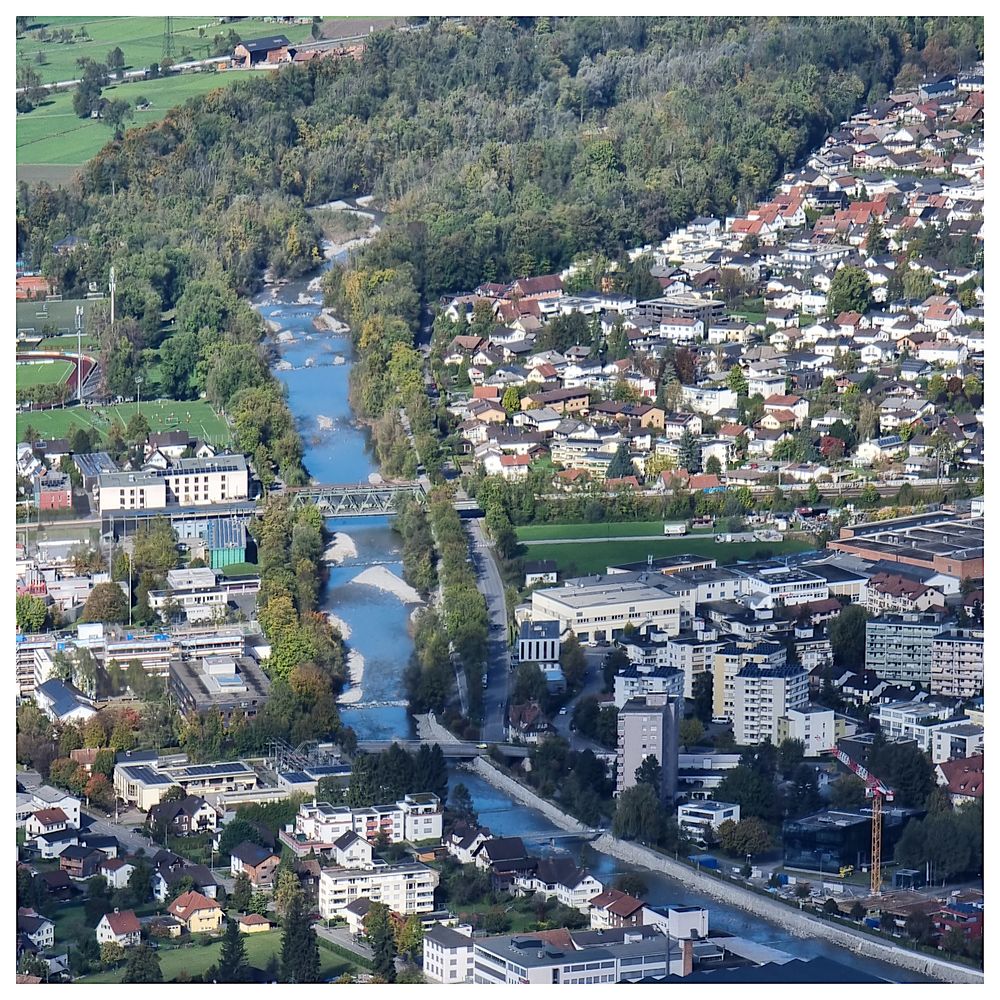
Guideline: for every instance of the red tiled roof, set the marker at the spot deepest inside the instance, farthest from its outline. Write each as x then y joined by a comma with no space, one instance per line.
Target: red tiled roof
125,922
49,816
703,482
964,776
617,902
254,920
189,903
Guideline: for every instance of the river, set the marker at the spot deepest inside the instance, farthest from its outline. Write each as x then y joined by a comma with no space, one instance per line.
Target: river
337,450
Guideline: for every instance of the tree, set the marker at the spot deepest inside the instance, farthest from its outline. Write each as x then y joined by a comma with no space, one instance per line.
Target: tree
511,400
702,691
830,907
753,790
847,792
30,613
299,947
116,60
621,465
639,815
242,891
573,662
748,836
876,242
790,754
410,937
233,964
688,452
649,772
847,637
632,883
713,465
850,291
106,603
286,888
111,954
691,732
235,832
87,96
737,381
378,930
858,912
143,966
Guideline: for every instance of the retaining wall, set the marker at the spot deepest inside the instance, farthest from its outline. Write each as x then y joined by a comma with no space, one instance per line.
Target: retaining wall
797,922
524,795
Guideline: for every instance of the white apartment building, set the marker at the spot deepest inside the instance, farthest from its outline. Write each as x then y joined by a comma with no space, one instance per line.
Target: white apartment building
694,818
792,586
448,954
404,888
194,591
130,491
816,727
188,482
318,825
729,661
639,680
762,696
599,611
962,739
708,399
957,663
917,720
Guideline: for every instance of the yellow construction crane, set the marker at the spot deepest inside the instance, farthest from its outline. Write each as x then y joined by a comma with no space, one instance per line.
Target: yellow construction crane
875,790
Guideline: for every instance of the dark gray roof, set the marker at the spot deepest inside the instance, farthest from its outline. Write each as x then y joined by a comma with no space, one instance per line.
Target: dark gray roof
251,854
265,44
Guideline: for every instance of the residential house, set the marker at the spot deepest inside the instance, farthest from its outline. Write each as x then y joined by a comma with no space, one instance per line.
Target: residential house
80,862
121,927
253,923
196,912
613,908
464,841
448,954
116,872
561,879
527,723
185,816
39,930
962,779
256,862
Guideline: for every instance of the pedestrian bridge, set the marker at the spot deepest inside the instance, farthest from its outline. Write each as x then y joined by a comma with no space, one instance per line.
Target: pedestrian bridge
368,499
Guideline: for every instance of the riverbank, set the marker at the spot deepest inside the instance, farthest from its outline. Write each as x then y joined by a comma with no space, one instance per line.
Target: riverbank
383,579
796,922
342,547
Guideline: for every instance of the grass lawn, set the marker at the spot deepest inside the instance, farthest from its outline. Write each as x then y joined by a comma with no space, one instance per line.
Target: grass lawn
197,416
43,373
196,958
596,557
536,532
139,38
196,847
241,569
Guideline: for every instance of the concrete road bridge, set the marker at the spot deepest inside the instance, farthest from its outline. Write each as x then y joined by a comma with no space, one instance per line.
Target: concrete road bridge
459,751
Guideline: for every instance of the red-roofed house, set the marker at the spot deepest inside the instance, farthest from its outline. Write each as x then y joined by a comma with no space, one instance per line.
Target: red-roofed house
196,912
122,927
614,908
963,778
704,481
627,481
45,821
514,467
798,406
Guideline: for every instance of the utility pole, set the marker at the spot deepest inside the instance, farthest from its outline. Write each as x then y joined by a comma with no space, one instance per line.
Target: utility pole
112,286
138,382
79,353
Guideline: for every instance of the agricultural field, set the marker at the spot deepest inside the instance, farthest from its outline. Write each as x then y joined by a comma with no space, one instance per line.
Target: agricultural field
194,958
597,556
195,415
43,373
139,38
52,134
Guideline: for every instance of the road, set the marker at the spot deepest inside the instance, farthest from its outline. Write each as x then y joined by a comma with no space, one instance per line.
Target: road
107,827
498,650
593,685
344,938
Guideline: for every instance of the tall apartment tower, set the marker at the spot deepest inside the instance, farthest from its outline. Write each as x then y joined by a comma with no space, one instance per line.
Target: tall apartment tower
649,726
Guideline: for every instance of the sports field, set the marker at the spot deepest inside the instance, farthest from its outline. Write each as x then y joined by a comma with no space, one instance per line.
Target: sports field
140,39
53,317
597,556
43,373
68,344
196,416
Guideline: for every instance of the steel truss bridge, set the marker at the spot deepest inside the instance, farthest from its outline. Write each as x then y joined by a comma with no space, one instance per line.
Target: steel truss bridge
368,499
356,499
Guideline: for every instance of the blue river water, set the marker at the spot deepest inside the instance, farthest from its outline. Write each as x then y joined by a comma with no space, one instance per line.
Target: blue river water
337,450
